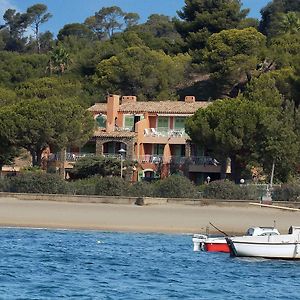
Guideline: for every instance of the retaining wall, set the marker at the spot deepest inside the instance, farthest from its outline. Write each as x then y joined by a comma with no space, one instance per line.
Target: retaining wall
133,200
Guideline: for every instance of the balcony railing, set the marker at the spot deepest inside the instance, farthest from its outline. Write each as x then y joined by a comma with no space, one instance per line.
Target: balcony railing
71,157
75,156
150,158
127,129
178,159
114,155
164,132
203,160
155,158
195,160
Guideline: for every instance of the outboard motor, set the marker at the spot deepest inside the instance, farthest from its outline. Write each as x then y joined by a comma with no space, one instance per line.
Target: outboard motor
198,240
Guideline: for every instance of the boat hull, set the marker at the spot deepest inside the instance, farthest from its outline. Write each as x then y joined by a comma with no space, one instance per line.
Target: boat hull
278,250
216,247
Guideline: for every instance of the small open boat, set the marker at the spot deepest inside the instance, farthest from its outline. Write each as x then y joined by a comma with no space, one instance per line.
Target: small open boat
282,246
219,244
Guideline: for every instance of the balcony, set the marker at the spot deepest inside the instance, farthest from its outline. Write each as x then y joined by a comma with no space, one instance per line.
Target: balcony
151,158
194,160
70,157
203,160
73,157
204,164
164,136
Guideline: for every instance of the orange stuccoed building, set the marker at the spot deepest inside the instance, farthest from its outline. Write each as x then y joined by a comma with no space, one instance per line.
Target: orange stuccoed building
152,133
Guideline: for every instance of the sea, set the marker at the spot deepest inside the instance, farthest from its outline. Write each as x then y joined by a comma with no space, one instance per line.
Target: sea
66,264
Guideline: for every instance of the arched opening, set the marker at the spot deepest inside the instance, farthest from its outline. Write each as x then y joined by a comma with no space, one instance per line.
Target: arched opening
148,175
113,148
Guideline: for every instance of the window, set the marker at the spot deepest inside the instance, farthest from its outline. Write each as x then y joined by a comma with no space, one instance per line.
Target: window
162,123
158,149
101,121
178,150
129,122
179,122
88,148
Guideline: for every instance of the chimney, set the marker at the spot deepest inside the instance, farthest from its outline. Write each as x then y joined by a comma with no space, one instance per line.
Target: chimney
113,103
189,99
128,99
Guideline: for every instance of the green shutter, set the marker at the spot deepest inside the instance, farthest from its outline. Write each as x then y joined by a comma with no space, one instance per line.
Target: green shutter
129,122
101,121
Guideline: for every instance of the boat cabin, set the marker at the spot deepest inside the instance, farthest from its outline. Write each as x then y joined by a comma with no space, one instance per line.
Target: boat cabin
294,230
261,231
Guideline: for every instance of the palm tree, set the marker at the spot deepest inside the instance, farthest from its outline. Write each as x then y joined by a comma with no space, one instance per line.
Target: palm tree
291,23
59,60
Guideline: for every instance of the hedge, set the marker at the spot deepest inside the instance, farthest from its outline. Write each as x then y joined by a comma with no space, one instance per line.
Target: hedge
36,182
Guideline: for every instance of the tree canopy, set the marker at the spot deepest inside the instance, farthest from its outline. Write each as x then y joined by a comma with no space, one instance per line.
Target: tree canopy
232,55
211,50
273,16
50,123
250,129
142,72
202,18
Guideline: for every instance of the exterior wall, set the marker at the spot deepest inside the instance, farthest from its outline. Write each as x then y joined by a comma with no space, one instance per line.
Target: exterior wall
167,153
171,122
148,148
120,119
141,147
113,103
152,121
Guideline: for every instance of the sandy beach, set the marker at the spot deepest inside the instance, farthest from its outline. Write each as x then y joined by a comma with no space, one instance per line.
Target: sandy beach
151,218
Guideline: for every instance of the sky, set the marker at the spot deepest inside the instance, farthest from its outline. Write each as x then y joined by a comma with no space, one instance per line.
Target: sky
76,11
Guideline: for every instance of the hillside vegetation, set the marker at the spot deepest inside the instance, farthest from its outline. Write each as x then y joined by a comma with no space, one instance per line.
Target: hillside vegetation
248,68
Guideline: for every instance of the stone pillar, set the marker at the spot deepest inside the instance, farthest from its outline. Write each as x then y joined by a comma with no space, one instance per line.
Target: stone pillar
62,160
188,149
99,147
130,148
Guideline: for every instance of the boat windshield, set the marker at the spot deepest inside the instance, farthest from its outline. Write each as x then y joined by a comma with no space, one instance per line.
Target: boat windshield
250,231
268,233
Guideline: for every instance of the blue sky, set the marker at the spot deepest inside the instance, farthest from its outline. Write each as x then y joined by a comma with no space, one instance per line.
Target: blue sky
76,11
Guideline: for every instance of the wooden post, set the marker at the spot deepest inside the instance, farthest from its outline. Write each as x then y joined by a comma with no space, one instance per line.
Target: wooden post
272,174
62,159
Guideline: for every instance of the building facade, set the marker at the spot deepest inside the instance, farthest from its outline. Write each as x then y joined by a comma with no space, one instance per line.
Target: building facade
151,133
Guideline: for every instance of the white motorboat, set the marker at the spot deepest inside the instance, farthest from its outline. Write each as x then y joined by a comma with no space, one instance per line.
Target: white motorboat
219,244
268,245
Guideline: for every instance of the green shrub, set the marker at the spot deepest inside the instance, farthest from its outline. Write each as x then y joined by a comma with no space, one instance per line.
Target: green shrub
82,186
111,186
220,189
287,192
141,189
175,186
99,165
4,184
37,182
224,189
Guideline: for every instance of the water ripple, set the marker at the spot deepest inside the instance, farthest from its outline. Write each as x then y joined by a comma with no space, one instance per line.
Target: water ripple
49,264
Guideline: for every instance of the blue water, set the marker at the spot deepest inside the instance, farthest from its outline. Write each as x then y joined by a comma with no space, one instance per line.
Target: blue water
53,264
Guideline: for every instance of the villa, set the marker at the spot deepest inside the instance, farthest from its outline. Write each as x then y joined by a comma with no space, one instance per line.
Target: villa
152,133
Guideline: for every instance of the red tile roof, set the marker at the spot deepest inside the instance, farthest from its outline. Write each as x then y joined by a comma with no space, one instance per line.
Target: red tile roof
169,107
99,107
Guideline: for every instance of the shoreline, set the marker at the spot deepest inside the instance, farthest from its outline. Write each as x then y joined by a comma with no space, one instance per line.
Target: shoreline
163,218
